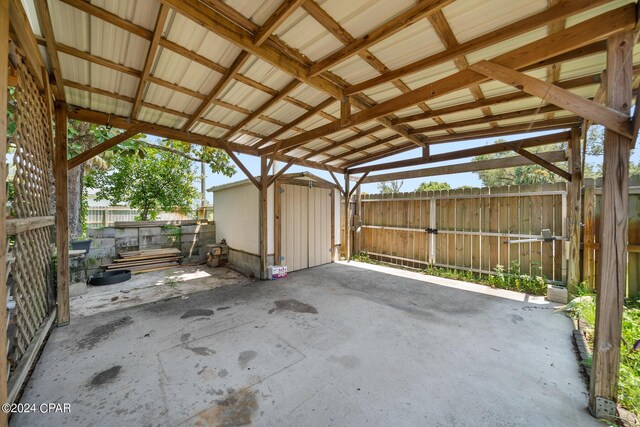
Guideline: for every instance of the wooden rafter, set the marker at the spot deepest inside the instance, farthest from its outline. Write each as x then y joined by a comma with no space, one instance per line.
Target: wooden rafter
469,152
363,149
553,70
286,8
228,76
44,18
106,145
420,10
20,30
151,55
504,162
522,26
612,119
571,38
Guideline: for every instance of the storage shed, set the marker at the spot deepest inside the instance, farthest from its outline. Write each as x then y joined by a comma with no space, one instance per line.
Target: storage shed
303,222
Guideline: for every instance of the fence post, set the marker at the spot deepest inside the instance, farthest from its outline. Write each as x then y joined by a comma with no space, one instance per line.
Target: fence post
574,193
589,231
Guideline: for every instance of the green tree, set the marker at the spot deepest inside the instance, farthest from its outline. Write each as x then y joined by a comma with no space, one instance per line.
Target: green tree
433,186
389,187
151,180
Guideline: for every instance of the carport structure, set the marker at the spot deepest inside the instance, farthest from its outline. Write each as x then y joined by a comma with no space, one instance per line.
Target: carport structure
335,85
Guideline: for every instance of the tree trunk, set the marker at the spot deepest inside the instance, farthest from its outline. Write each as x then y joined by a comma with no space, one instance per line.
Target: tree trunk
75,189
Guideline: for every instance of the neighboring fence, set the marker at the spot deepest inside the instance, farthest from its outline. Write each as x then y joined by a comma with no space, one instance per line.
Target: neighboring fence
468,229
592,210
98,216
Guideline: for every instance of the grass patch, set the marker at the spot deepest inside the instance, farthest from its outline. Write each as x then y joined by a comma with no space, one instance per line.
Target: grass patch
584,307
512,279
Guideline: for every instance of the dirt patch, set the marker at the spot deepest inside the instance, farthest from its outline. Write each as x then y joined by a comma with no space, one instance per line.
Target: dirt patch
295,306
236,410
196,312
102,332
245,357
106,376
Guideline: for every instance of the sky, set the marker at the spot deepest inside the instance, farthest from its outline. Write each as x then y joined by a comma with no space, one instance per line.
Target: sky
455,180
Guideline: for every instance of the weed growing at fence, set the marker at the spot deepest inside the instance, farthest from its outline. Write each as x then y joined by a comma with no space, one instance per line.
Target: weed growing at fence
513,279
629,389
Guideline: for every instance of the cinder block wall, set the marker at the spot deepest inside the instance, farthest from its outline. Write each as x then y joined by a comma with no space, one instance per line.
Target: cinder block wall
108,242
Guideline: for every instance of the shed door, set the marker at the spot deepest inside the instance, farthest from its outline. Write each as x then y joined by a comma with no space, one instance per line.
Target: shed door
306,226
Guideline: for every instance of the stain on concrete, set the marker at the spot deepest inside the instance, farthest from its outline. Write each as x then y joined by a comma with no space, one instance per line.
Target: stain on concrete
294,305
106,376
223,373
236,410
201,351
102,332
245,357
223,308
348,361
196,312
185,337
515,318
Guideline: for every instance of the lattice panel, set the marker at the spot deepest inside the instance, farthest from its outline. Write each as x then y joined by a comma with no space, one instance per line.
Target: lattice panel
32,185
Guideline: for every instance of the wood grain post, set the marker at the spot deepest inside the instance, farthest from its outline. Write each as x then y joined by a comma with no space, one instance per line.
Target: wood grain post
264,180
62,213
277,222
347,218
613,235
333,224
4,75
574,213
589,253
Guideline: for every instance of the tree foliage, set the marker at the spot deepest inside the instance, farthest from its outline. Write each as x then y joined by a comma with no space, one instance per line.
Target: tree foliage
151,180
433,186
389,187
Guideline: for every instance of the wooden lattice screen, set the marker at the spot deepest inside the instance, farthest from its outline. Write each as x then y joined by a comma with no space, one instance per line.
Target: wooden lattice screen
32,184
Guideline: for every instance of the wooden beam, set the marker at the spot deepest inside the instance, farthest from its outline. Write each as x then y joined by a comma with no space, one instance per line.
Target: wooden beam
636,120
21,33
345,110
505,162
4,172
229,75
546,17
106,145
612,119
335,179
574,213
242,167
469,152
279,173
613,235
578,35
495,100
44,18
264,107
62,214
263,194
420,10
357,184
277,222
324,104
286,8
228,30
151,55
542,162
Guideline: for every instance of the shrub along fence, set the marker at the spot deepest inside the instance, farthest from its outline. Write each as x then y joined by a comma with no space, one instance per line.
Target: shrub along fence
489,230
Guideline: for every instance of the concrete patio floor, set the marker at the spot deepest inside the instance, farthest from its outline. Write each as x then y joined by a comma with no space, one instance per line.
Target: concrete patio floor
339,344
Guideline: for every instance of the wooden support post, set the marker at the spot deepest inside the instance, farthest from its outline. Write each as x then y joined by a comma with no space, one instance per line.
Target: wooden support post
357,236
277,223
589,252
345,110
4,74
333,224
264,185
574,214
613,235
347,218
62,213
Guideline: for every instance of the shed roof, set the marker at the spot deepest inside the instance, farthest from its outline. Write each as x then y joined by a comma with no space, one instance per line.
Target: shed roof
271,76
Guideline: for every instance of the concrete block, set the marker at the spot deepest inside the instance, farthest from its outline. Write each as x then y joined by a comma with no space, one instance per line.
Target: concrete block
170,241
149,231
151,240
190,229
119,250
103,252
126,232
170,230
104,242
557,294
188,238
189,250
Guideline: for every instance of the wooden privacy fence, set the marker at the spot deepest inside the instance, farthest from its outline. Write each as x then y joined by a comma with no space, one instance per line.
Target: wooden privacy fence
592,210
468,229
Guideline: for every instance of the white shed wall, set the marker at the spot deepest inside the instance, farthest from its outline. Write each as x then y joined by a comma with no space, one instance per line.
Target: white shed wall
236,214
